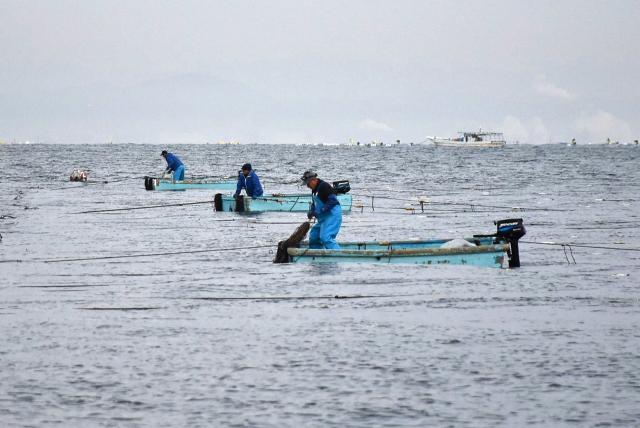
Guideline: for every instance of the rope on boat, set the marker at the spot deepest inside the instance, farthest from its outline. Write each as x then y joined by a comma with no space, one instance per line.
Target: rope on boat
129,256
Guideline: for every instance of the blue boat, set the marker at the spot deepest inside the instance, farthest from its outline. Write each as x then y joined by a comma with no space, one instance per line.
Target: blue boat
496,250
152,183
297,202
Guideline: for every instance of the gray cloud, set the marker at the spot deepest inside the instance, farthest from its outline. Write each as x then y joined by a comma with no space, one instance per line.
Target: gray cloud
304,70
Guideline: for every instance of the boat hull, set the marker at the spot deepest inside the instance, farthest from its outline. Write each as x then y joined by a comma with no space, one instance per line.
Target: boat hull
152,183
273,202
419,252
499,249
453,143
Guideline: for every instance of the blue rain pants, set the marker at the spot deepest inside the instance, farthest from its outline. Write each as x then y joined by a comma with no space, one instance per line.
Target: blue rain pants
178,174
323,233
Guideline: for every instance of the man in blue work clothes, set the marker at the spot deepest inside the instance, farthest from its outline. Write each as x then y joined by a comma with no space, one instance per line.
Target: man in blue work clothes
326,209
248,180
175,165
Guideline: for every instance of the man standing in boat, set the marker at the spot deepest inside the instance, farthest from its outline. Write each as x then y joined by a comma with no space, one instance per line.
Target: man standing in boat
175,165
248,180
326,209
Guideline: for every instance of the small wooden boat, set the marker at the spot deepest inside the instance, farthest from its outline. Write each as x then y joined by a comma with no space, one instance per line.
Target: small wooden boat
299,202
152,183
480,250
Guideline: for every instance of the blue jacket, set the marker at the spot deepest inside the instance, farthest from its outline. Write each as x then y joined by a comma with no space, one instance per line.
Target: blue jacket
173,162
251,182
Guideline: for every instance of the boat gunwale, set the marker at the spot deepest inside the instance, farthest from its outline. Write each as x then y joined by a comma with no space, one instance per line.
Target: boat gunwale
321,252
292,199
470,144
409,241
276,196
208,184
206,181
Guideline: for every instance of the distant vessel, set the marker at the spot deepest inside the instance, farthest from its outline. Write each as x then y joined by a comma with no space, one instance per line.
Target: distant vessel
572,142
471,139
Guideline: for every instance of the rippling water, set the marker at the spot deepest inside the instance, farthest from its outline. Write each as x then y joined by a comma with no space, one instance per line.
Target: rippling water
228,338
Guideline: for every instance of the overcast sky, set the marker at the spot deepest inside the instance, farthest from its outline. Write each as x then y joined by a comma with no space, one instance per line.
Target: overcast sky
318,71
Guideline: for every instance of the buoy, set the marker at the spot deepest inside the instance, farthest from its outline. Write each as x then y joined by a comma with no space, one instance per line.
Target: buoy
79,175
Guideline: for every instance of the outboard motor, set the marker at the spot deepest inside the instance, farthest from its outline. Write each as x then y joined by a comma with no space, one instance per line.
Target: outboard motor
239,204
217,202
148,182
511,230
341,186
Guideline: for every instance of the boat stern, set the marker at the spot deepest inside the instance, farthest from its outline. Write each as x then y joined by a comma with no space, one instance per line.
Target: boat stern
508,231
149,183
511,230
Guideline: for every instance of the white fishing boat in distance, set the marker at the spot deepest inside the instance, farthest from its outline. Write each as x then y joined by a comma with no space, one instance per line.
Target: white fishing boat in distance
471,139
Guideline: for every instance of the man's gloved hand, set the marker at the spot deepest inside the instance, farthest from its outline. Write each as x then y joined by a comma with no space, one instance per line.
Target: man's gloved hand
310,214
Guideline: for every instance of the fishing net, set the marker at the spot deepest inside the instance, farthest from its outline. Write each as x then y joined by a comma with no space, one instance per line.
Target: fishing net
293,241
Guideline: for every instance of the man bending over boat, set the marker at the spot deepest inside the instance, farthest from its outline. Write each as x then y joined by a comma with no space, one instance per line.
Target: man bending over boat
326,209
175,165
248,180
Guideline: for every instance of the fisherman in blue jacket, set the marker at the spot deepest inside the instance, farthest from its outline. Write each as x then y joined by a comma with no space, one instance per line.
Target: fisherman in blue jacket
248,180
175,165
326,209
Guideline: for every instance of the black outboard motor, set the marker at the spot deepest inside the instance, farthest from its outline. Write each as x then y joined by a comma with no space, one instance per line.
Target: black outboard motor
148,182
511,230
218,206
341,186
217,202
239,204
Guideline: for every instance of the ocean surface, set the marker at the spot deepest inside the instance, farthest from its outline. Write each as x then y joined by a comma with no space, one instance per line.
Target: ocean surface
227,338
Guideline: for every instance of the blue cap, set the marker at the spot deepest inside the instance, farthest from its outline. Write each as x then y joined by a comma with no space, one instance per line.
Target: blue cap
246,167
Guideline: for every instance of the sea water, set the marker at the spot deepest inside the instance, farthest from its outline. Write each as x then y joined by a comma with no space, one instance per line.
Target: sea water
207,331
